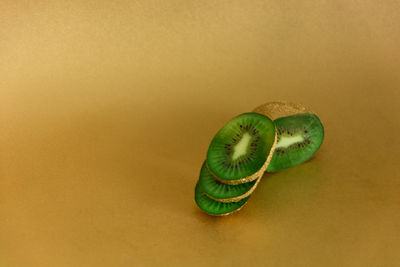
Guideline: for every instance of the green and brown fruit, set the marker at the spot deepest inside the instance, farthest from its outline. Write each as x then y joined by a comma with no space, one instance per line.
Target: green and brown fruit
300,134
250,144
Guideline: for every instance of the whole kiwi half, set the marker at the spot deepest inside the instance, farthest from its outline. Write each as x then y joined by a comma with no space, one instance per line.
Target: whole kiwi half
300,133
241,151
221,192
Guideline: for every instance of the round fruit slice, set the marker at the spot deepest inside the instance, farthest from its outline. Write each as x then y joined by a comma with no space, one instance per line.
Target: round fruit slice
240,152
221,192
214,207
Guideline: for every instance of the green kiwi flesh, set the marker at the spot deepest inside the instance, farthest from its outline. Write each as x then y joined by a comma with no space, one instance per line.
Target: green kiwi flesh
223,192
240,150
214,207
299,138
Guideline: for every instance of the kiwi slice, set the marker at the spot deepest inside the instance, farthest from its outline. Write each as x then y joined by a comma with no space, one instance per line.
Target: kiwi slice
300,134
214,207
240,152
221,192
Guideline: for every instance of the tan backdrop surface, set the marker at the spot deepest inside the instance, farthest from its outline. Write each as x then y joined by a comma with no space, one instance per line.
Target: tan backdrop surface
107,109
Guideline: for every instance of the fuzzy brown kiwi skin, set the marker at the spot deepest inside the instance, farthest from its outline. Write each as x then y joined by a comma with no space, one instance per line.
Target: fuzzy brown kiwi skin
278,109
236,199
275,110
255,175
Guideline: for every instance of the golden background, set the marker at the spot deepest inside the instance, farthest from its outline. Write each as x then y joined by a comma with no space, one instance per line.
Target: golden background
107,109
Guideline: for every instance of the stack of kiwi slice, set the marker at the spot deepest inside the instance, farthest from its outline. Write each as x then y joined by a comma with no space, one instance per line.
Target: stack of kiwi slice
275,136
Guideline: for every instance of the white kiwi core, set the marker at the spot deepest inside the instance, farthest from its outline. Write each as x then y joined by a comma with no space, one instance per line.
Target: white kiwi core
241,147
286,141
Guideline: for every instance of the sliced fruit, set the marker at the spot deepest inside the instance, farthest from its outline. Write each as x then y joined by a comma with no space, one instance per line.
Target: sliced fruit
214,207
241,150
221,192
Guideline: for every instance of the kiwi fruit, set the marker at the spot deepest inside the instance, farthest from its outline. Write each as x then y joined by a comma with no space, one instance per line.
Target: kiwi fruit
214,207
221,192
240,152
300,134
251,144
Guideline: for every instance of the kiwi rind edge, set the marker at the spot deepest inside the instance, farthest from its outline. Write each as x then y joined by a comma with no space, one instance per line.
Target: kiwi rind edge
236,199
255,175
223,214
